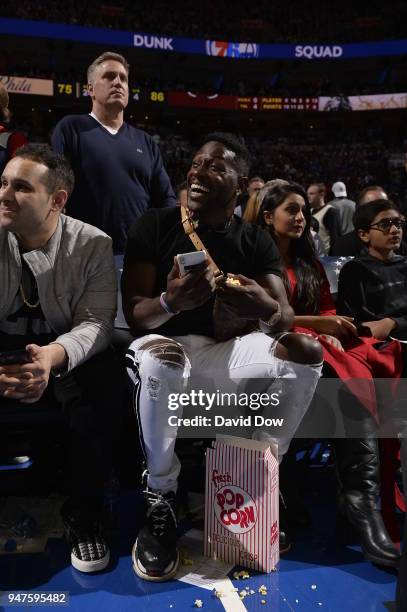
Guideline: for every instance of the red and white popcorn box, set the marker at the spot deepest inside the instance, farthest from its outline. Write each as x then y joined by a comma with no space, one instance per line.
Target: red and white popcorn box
241,503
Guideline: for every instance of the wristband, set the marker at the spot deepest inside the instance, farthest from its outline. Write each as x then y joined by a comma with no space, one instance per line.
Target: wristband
265,326
166,306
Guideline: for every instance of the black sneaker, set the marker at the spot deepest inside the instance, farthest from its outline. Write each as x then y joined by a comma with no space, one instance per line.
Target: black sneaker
155,555
89,549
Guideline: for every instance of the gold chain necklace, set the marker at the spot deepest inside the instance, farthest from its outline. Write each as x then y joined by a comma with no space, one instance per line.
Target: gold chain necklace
24,298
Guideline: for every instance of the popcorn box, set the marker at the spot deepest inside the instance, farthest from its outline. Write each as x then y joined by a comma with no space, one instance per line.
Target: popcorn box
241,503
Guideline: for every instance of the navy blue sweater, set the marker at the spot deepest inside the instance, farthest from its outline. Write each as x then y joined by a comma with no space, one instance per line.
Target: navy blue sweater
117,177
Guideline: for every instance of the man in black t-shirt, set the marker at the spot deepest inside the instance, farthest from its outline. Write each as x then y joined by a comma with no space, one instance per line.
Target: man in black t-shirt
177,314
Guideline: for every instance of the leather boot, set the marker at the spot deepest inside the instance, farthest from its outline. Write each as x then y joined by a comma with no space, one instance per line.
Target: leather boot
292,474
357,465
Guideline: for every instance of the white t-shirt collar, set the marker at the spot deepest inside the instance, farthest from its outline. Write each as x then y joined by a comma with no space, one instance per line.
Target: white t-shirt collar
107,127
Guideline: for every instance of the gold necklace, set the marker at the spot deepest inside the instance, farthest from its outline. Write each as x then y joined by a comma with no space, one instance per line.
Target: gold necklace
26,302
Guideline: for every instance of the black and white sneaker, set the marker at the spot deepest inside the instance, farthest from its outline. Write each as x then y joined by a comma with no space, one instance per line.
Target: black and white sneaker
89,549
155,555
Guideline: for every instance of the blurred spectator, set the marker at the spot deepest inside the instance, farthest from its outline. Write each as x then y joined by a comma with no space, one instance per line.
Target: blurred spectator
10,139
344,206
350,245
253,188
255,184
325,214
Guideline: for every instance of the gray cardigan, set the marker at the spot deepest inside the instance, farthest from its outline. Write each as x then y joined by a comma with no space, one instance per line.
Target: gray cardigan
77,285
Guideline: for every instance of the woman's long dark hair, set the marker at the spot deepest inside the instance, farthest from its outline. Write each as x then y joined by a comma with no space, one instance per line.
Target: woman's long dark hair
302,250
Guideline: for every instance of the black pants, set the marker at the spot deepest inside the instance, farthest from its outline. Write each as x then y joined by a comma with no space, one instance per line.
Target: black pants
91,399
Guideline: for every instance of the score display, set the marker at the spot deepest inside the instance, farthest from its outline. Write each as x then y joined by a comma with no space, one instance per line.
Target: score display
156,96
245,103
189,99
66,88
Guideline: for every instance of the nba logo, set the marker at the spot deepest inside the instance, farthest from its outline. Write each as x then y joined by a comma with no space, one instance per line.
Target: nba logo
220,48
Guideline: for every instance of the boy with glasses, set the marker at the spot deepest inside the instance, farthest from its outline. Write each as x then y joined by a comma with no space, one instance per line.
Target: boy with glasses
373,287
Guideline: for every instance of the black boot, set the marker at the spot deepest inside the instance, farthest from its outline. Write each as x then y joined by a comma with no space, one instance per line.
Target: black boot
292,475
357,464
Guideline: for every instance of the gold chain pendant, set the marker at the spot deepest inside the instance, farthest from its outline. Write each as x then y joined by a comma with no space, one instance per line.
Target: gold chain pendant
26,302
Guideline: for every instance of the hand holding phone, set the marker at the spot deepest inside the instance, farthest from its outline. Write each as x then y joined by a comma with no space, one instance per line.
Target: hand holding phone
364,331
187,262
24,374
14,357
190,283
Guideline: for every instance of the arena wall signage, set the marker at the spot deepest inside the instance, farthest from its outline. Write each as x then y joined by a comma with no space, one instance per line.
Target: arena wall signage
363,103
23,85
318,51
214,48
189,99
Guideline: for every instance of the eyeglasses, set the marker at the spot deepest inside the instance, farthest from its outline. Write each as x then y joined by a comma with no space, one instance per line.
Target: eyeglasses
385,225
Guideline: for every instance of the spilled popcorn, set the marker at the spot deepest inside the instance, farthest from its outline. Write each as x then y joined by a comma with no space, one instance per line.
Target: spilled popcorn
185,560
198,603
243,574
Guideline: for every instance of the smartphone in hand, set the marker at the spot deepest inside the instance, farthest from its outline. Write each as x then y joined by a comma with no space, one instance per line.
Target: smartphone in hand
364,331
15,357
188,261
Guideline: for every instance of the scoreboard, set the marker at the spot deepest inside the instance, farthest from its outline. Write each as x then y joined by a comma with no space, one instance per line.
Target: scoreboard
75,90
242,103
140,95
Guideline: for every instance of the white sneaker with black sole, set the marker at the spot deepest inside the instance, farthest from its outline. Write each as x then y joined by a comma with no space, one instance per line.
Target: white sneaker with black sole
89,549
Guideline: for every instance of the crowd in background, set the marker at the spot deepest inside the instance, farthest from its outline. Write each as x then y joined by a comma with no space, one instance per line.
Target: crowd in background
356,164
263,21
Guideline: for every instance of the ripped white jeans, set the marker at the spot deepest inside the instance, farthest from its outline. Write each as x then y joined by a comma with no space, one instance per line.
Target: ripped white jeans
168,363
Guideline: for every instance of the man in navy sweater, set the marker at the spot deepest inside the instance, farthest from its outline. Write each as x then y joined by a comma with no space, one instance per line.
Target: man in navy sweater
118,169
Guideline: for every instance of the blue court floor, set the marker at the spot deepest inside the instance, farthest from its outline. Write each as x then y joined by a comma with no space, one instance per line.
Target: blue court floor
317,574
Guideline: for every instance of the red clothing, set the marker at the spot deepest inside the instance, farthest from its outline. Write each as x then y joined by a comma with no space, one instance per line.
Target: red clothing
15,141
362,361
